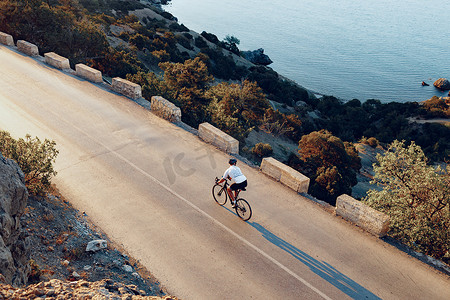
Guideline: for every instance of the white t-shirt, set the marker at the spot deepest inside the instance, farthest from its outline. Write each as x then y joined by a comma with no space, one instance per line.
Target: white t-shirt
235,173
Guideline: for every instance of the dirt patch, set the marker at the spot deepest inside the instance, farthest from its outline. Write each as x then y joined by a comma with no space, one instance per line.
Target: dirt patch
367,154
282,147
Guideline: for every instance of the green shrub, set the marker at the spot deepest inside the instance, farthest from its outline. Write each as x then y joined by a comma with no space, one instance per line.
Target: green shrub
188,36
185,42
34,157
35,272
416,196
200,42
210,37
330,163
278,89
223,66
178,27
262,150
372,142
168,16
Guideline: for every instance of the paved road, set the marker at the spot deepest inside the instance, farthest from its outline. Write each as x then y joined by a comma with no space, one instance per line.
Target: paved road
147,183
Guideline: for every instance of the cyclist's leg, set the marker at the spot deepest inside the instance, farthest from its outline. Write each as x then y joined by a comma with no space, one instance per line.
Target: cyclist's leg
233,190
230,193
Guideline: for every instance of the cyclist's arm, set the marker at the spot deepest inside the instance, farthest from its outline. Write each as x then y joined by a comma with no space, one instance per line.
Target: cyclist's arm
225,176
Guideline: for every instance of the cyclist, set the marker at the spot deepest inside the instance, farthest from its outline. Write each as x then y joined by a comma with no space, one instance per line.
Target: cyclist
234,173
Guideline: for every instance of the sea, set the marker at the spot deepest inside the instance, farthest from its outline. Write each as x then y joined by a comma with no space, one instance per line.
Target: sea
371,49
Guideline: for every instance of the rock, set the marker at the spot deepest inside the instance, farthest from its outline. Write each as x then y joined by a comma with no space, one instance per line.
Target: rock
127,268
257,57
442,84
117,263
87,268
79,289
96,245
424,83
14,245
65,263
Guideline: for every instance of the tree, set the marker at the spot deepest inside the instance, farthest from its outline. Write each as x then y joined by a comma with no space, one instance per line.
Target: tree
59,28
118,63
151,85
188,82
245,101
416,196
330,163
231,43
34,157
235,108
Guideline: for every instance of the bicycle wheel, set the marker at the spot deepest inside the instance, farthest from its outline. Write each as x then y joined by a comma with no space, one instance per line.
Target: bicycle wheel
219,194
243,209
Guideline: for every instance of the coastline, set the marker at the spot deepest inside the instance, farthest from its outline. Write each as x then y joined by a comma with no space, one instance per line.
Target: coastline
327,67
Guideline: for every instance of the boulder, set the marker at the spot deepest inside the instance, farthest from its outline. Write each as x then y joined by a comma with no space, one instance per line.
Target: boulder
442,84
96,245
14,245
257,57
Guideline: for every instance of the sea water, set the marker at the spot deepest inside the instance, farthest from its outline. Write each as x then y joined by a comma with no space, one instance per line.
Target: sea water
372,49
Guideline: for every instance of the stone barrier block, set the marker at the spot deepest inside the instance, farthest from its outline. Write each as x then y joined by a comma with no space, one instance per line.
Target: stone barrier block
89,73
371,220
294,179
218,138
165,109
56,60
6,39
27,48
285,174
271,167
127,88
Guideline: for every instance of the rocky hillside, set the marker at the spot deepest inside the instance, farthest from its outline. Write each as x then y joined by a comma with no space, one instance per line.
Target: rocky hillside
47,248
14,246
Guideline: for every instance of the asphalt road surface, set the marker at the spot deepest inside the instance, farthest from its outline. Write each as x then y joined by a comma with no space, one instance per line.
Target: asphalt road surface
147,184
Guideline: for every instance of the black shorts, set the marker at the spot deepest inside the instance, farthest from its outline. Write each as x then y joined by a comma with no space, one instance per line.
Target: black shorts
238,186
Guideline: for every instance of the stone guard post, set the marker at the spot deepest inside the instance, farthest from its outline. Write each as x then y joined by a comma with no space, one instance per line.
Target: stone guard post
218,138
57,61
165,109
27,48
6,39
88,73
127,88
369,219
285,174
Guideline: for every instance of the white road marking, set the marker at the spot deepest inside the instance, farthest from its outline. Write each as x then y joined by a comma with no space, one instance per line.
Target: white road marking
270,258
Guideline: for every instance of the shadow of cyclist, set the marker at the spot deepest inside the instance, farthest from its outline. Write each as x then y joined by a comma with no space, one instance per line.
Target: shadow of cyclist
323,269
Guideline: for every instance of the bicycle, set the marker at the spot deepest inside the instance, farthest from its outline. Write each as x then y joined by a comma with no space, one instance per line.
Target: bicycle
241,206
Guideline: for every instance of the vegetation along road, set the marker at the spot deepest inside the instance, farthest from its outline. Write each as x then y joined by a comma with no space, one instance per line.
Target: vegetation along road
147,184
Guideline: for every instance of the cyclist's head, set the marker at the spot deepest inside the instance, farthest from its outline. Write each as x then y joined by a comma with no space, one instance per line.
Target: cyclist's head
232,161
